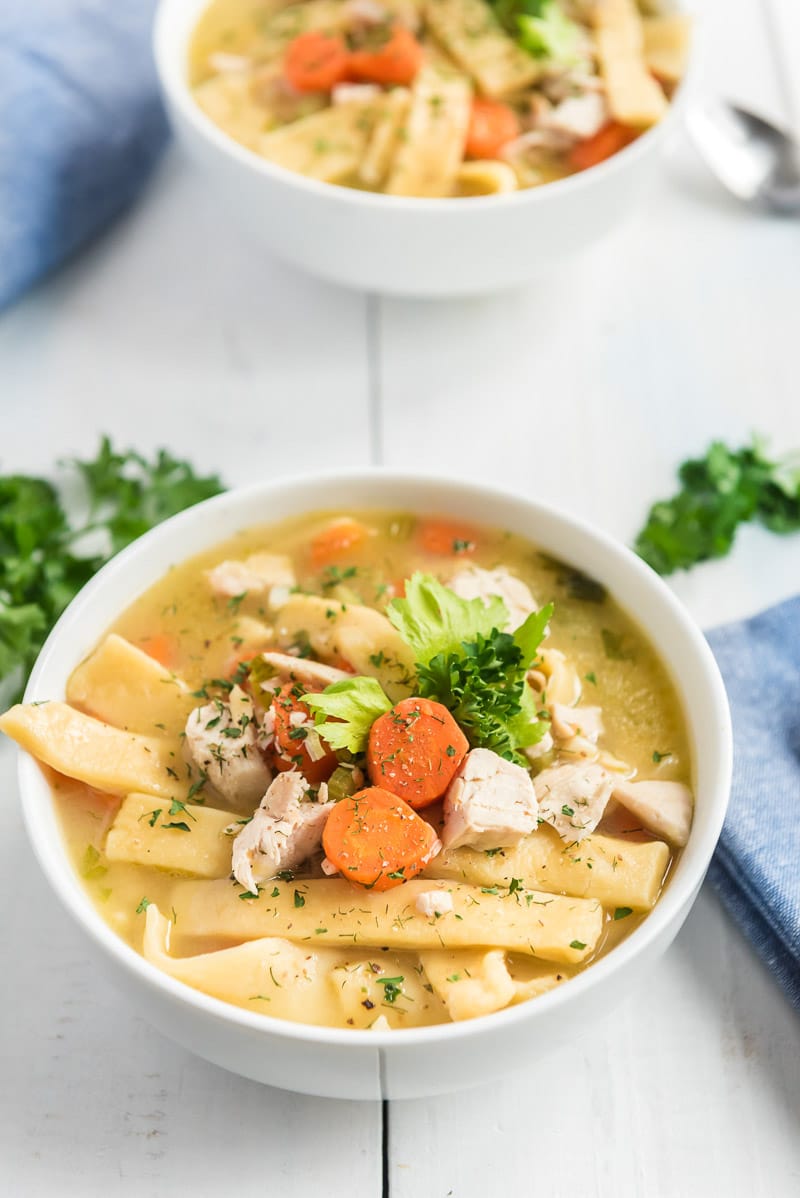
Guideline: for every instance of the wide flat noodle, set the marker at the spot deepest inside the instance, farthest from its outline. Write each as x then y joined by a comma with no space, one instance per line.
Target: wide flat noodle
124,686
618,871
188,839
331,911
471,34
430,153
95,753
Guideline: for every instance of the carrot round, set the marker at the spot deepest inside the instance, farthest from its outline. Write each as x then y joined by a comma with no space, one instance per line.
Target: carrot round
491,125
443,538
291,750
375,839
605,143
336,540
395,60
316,62
160,647
414,751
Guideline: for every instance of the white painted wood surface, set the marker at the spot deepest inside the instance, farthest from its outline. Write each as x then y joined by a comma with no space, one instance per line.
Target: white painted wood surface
587,388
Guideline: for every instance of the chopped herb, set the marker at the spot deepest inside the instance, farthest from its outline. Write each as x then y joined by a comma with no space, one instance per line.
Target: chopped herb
615,647
285,875
623,912
236,600
454,977
90,863
490,889
392,988
578,944
176,807
275,892
154,816
248,894
46,556
463,546
565,810
320,931
398,873
144,903
299,899
659,757
723,489
450,751
180,825
377,659
591,677
493,852
514,885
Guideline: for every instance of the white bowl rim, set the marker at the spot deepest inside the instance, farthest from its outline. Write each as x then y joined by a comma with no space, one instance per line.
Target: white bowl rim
174,82
676,898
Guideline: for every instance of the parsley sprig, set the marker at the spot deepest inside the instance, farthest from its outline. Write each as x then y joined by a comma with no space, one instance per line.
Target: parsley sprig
719,491
47,555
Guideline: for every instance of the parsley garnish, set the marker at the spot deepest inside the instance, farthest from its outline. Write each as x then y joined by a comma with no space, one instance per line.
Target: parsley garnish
43,562
725,488
392,988
299,899
144,903
623,912
659,757
578,944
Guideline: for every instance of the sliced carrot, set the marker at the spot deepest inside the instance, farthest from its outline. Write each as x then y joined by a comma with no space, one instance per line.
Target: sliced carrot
414,751
316,62
375,839
160,647
443,538
608,141
341,663
291,750
492,125
395,59
336,540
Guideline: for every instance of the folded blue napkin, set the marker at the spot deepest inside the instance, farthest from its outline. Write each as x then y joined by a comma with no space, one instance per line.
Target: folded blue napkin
756,869
82,126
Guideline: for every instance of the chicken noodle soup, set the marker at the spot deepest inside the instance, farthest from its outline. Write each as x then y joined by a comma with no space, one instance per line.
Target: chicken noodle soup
369,770
436,97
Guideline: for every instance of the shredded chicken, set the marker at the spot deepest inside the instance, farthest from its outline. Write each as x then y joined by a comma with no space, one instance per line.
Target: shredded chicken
573,798
491,803
665,808
284,831
567,722
473,582
256,575
434,902
221,743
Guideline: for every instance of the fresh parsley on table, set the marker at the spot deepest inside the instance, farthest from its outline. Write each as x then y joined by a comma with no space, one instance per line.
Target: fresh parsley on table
47,555
719,491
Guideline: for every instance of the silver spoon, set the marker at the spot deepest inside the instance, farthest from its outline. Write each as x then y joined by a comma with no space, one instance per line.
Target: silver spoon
756,161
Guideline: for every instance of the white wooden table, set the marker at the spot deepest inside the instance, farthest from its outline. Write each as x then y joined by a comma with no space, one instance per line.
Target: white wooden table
587,388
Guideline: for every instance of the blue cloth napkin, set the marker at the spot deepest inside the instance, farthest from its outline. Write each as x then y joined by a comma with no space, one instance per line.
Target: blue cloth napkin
756,869
82,126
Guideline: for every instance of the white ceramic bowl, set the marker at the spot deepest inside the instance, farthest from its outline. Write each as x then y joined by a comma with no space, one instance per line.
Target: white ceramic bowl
400,1064
390,244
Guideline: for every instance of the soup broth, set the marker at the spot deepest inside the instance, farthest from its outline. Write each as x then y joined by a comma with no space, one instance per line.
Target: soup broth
464,928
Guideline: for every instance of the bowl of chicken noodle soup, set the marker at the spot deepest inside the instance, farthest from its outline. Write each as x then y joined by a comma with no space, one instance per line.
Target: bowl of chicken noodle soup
424,146
373,784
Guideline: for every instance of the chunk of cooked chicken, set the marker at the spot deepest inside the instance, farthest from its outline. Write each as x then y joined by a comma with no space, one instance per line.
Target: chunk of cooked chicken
284,831
664,808
573,798
576,117
566,722
221,742
491,803
473,582
260,574
303,670
434,902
